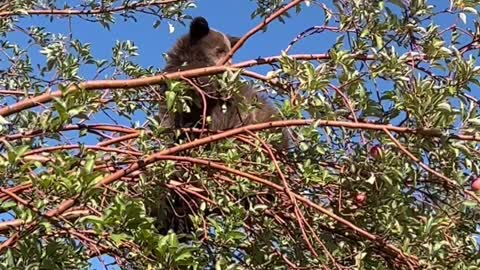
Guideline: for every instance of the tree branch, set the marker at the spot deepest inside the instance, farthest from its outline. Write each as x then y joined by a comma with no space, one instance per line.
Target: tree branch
74,12
257,28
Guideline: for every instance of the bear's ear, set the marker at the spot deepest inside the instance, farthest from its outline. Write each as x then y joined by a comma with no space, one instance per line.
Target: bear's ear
233,40
198,28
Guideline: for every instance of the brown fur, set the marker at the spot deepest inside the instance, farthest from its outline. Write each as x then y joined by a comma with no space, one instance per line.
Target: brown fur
200,48
204,47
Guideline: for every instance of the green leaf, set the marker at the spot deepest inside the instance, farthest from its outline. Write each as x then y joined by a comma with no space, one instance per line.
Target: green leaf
119,239
89,164
171,99
4,121
7,205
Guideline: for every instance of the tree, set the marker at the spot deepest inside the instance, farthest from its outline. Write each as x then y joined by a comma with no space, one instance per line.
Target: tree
384,134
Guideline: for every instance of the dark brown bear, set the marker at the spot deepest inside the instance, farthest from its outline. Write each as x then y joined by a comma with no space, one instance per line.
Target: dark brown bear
203,47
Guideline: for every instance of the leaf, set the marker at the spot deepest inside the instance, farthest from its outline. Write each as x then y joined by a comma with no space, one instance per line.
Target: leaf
171,97
7,205
470,203
471,10
172,240
260,207
171,28
371,179
184,257
463,17
235,235
379,41
21,11
444,106
119,238
92,219
47,226
162,245
474,121
16,153
90,164
203,206
4,121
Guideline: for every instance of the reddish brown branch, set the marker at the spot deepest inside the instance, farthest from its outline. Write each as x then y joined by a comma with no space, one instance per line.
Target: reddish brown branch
70,12
157,79
119,139
257,28
14,93
92,147
19,188
299,215
18,222
204,101
284,123
18,199
102,127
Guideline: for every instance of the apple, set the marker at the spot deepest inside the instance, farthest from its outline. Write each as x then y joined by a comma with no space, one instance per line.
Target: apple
360,198
476,184
376,151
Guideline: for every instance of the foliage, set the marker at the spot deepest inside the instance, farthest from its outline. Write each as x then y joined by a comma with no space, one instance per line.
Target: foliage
400,78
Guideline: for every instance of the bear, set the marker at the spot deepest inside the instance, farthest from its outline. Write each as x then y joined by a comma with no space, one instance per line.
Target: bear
203,47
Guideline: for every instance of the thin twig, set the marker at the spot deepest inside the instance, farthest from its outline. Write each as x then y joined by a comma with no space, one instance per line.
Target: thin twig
204,100
257,28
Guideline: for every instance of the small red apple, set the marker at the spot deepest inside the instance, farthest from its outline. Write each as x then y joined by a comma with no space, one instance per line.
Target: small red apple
376,151
476,184
360,198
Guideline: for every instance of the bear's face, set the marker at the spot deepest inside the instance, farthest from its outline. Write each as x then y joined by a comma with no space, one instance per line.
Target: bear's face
214,46
201,47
